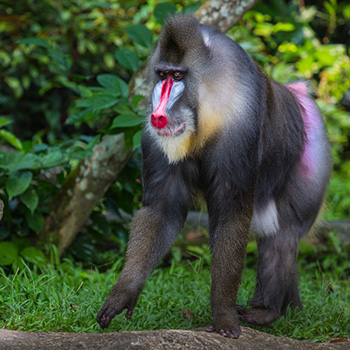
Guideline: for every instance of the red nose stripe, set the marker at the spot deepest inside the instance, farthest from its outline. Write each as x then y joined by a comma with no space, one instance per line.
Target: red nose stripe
158,118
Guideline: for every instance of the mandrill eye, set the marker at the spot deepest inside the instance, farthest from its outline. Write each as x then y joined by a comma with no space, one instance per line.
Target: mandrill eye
177,76
161,74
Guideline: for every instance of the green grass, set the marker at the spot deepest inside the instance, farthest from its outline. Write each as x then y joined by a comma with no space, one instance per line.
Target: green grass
68,297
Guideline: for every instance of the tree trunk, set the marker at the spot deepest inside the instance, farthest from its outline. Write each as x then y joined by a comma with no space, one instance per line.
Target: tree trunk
84,187
223,14
87,184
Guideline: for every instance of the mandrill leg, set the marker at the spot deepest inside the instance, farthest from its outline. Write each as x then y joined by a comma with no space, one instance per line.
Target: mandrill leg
229,233
277,280
151,237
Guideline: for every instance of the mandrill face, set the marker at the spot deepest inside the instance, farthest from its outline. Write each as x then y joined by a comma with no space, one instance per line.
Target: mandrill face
165,94
172,120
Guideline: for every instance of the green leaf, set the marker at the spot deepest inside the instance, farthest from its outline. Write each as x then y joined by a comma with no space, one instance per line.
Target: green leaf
4,121
35,220
327,55
34,256
34,41
283,27
59,58
8,253
329,7
136,140
346,11
114,84
16,183
40,147
16,86
109,61
141,35
136,100
163,10
127,59
124,109
74,118
18,161
30,199
126,120
93,142
93,89
28,145
83,103
191,8
304,66
53,159
103,101
263,29
81,154
11,138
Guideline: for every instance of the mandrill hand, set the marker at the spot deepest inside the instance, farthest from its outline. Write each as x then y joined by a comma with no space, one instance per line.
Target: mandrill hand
119,299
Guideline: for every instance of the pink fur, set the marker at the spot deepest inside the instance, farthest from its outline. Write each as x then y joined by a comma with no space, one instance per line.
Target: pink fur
312,124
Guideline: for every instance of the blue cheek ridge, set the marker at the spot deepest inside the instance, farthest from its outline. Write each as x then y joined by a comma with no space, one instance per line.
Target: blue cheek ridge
156,95
175,93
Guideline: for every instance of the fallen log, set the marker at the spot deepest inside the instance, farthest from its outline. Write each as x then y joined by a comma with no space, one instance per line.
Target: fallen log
250,339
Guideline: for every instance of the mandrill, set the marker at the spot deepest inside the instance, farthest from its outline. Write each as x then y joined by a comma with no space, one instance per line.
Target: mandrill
255,148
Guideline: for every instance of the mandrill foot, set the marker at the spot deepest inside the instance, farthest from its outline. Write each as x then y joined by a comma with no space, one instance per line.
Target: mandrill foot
257,317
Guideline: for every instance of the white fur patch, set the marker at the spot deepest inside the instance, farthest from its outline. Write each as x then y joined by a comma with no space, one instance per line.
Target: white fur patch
176,148
265,221
206,38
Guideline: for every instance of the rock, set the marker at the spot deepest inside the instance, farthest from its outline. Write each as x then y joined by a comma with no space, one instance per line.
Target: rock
250,339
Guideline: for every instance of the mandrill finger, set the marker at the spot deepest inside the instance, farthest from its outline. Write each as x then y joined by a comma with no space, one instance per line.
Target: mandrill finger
129,313
242,311
231,334
210,329
106,315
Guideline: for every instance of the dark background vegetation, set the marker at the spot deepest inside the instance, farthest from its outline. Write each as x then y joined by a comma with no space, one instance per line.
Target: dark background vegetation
66,72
